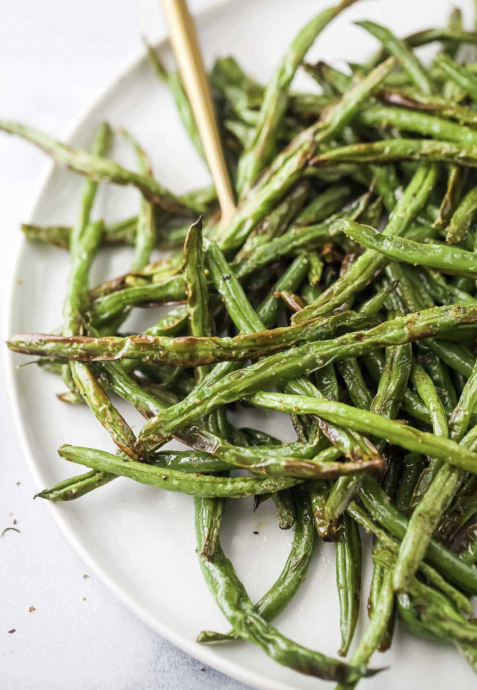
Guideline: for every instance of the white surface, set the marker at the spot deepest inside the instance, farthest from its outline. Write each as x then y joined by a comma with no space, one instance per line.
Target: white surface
142,540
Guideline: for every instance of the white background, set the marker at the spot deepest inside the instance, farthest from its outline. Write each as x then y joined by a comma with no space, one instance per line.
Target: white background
54,58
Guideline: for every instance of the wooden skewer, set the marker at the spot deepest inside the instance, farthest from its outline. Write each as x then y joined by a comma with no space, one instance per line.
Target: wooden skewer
187,52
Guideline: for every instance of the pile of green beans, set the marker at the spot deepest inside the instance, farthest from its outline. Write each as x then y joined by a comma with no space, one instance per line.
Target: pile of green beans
342,293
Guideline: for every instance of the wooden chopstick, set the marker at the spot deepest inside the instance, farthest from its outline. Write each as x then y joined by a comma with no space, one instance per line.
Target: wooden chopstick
187,52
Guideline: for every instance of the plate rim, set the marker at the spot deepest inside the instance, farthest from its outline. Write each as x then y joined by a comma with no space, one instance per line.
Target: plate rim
189,646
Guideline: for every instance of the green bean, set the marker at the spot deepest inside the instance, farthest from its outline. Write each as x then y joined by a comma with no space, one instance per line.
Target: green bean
76,301
413,465
146,224
373,214
354,233
285,506
374,304
447,563
191,461
387,402
151,275
188,350
288,165
104,410
100,144
101,169
297,238
390,486
450,260
83,378
241,131
459,512
229,288
270,120
348,577
122,232
257,437
451,90
371,423
172,480
353,378
319,491
453,195
170,291
421,38
392,386
328,202
228,72
353,446
411,403
376,629
461,75
199,325
213,510
277,221
294,572
460,418
310,293
291,279
414,407
410,615
468,548
235,604
330,79
360,516
454,356
302,361
365,268
201,199
401,52
337,116
288,459
149,405
265,197
445,107
174,82
437,498
188,461
387,185
326,381
75,487
438,288
393,382
196,287
172,324
435,612
418,122
84,242
462,218
428,392
246,319
459,381
316,268
389,396
293,302
389,150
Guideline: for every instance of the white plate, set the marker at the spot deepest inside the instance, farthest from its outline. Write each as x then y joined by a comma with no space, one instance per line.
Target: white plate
140,540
